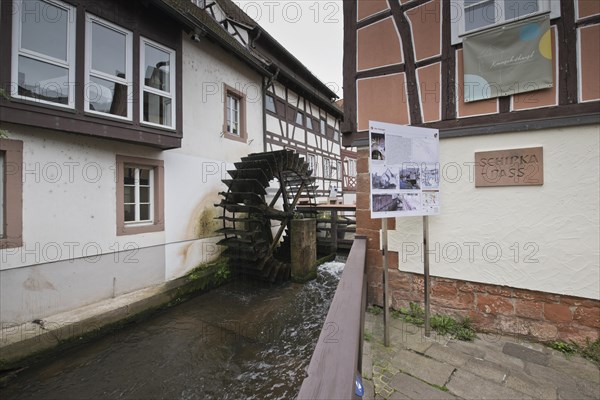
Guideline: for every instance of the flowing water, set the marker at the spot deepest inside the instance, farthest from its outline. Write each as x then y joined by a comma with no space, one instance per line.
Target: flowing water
240,341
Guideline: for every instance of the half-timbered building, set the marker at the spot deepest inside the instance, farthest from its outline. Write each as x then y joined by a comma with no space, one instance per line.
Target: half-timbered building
299,111
518,259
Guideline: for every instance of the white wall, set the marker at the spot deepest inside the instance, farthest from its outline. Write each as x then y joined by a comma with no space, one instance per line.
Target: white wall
69,200
71,255
194,172
548,235
205,69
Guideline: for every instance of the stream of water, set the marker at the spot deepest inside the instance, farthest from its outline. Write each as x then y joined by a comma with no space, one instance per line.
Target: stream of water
240,341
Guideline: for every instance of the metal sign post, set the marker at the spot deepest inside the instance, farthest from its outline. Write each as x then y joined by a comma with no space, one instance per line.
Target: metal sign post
426,272
386,308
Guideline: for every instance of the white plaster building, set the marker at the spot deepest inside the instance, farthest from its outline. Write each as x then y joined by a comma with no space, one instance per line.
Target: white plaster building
122,119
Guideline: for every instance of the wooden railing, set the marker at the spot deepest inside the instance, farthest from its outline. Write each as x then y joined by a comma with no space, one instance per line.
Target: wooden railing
338,355
336,227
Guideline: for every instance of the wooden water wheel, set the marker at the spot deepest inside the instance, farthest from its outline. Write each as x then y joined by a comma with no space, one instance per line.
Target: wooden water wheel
263,193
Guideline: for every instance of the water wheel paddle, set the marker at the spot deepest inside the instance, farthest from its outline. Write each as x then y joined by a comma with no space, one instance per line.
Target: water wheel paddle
261,200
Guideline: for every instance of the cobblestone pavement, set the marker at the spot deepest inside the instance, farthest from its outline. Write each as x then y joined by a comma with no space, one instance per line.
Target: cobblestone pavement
492,367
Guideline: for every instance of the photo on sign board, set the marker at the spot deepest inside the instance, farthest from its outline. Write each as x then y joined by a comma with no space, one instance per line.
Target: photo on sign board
377,146
430,202
384,178
430,176
410,201
410,177
385,202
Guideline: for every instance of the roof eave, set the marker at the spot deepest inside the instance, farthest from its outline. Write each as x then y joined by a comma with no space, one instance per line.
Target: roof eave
193,23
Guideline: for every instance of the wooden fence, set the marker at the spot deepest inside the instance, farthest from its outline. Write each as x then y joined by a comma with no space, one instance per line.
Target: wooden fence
338,355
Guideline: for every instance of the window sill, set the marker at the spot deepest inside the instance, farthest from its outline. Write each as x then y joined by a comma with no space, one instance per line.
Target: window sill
138,229
231,136
11,243
78,122
158,126
108,117
32,102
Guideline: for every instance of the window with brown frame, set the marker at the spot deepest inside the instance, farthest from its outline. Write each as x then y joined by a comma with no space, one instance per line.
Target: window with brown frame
234,124
323,127
270,104
11,193
309,123
140,195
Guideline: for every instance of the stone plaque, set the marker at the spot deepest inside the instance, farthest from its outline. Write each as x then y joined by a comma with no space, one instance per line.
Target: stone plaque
514,167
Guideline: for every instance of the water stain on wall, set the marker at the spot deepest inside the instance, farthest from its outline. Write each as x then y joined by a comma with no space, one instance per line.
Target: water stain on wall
36,282
202,224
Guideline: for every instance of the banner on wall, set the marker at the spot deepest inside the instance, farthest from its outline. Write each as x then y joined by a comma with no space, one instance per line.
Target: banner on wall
508,59
405,170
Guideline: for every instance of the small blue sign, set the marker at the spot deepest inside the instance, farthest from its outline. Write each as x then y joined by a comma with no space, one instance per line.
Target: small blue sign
359,388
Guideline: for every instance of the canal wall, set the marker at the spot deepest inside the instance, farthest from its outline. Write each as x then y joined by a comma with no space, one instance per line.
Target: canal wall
25,343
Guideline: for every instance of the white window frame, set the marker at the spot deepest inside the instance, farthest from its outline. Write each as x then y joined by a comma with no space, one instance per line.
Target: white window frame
231,97
137,203
457,15
143,88
18,51
128,81
351,167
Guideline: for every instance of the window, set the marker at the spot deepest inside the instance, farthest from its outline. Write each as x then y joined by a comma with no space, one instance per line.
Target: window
43,60
234,126
270,104
323,127
339,170
108,69
300,118
350,167
312,164
158,84
11,193
309,123
199,3
326,167
138,184
233,114
470,16
140,195
336,135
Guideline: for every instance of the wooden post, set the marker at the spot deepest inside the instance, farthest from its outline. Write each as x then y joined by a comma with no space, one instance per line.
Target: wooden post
334,236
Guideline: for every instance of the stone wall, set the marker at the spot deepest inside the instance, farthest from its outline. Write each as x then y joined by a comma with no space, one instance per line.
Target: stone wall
542,316
492,308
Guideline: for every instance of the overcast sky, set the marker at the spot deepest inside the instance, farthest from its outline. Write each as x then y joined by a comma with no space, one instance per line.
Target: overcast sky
312,30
